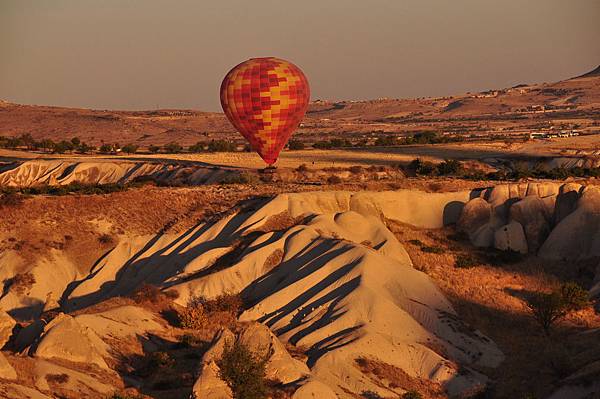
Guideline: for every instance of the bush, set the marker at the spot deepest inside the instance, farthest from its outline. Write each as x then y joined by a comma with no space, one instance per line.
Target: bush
295,145
322,145
200,311
106,148
385,141
154,149
57,378
240,178
122,396
302,168
160,360
574,296
432,250
193,316
198,147
63,147
449,167
130,148
243,371
422,168
221,146
547,308
412,395
465,261
173,148
148,293
356,169
106,239
333,179
10,198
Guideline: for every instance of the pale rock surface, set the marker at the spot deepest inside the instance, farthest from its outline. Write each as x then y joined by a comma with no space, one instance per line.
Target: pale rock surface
6,369
16,391
577,236
64,338
209,385
532,213
511,237
62,172
475,221
312,389
86,385
258,338
7,324
120,322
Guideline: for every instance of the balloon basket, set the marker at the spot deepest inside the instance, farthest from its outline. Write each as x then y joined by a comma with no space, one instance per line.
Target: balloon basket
269,170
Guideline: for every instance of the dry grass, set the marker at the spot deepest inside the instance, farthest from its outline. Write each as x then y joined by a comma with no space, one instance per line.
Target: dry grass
22,282
488,295
57,378
212,314
397,380
273,260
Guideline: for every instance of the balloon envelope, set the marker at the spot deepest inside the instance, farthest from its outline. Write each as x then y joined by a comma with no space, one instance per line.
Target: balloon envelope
265,99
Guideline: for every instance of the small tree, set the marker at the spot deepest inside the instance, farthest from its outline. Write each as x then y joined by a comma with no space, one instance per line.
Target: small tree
198,147
412,395
154,149
173,148
243,371
547,308
295,145
84,148
130,148
106,148
574,296
75,141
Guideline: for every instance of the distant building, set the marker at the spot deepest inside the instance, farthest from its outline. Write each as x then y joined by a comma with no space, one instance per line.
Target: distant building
536,135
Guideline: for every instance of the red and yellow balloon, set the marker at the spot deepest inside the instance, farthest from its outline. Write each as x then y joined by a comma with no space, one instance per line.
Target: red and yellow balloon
265,99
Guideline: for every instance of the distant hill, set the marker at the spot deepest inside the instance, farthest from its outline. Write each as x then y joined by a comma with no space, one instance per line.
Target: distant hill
518,109
595,72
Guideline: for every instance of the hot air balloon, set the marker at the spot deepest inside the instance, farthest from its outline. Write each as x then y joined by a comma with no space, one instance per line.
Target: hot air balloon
265,99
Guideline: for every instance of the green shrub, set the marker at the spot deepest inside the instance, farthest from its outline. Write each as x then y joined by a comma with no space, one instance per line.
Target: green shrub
154,149
574,296
449,167
160,360
432,250
240,178
385,141
295,145
463,261
105,148
243,371
322,145
412,395
302,168
356,169
193,316
172,148
130,148
117,395
333,179
546,308
10,199
200,311
221,146
198,147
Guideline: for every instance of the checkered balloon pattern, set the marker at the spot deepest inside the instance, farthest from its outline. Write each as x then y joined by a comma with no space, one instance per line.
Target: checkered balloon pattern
265,99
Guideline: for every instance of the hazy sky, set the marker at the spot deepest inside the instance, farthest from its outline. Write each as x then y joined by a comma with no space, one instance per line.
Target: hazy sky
124,54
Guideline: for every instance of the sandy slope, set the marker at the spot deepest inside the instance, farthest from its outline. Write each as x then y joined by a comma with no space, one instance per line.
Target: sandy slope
341,285
320,269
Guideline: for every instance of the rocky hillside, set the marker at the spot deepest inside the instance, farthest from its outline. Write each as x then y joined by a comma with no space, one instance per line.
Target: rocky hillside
328,295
